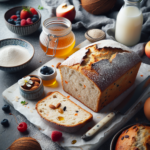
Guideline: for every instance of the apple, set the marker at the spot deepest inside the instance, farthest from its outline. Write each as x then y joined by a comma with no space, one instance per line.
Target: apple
147,49
66,11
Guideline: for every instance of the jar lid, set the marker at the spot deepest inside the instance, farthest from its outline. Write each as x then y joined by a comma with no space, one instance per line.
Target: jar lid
94,35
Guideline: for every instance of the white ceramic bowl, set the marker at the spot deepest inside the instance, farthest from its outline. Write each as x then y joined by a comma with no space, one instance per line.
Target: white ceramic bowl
47,77
20,42
21,30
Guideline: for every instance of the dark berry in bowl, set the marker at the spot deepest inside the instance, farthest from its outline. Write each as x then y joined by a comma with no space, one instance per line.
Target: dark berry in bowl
45,70
34,19
11,21
18,12
18,19
18,16
36,16
17,22
5,122
6,108
51,71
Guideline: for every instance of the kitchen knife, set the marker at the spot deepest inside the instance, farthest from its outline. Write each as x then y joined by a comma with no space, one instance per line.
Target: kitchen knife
122,108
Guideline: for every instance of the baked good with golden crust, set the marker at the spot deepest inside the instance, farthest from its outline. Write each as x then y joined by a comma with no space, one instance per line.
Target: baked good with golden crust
62,113
97,74
136,137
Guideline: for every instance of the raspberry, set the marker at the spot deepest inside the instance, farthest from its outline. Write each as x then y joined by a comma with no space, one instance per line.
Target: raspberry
22,127
23,22
56,136
29,21
14,17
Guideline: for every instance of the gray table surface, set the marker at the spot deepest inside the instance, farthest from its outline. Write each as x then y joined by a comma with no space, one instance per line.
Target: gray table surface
9,134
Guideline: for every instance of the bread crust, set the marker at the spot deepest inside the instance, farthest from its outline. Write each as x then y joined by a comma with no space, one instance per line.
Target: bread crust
137,137
66,128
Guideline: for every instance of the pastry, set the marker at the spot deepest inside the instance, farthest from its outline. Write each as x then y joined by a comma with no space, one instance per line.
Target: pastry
135,138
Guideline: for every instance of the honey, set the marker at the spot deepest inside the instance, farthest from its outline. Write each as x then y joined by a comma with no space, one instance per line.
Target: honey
57,35
60,118
49,82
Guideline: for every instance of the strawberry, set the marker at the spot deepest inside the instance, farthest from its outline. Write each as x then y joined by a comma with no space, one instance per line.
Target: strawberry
23,22
56,136
26,13
34,12
29,21
14,17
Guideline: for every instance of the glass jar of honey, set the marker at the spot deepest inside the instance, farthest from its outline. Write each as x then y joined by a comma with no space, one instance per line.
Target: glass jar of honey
57,38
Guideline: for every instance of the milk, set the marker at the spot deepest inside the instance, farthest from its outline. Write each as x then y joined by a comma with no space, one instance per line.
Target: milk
128,25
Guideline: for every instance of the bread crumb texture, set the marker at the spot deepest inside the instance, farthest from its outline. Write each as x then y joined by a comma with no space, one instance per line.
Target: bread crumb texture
67,114
136,137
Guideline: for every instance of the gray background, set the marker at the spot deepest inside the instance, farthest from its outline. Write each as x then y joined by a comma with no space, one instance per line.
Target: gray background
9,134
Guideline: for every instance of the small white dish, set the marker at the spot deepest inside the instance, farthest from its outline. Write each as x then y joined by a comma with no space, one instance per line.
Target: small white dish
48,77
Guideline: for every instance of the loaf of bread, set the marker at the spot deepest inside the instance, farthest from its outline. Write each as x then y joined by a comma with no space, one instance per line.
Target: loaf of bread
95,75
62,113
136,137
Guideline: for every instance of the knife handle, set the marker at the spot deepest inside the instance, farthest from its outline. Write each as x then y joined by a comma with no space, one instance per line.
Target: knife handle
89,134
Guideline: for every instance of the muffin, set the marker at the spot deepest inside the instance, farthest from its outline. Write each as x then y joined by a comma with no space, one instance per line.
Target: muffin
136,137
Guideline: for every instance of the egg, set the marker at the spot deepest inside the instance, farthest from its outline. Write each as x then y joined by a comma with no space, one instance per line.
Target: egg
147,49
147,108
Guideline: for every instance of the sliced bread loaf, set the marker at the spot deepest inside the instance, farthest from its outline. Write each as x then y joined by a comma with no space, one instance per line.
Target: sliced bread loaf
62,113
97,74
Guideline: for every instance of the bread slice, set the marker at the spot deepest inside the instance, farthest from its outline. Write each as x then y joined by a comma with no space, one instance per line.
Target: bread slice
62,113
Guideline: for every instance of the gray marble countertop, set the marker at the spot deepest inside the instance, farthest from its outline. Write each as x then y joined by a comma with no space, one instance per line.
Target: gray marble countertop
9,134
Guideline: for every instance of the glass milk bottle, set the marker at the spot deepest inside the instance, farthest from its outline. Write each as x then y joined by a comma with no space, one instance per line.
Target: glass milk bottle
129,23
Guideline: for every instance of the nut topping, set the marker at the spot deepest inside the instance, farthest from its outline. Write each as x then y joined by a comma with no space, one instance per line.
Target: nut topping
52,106
58,105
35,79
60,110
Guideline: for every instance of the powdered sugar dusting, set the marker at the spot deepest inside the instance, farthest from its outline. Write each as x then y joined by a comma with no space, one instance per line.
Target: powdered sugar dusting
110,72
76,58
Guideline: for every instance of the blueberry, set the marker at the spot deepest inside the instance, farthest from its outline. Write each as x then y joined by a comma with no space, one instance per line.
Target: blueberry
51,71
18,12
45,69
11,21
17,24
5,122
6,108
36,16
46,73
42,71
18,16
18,19
34,19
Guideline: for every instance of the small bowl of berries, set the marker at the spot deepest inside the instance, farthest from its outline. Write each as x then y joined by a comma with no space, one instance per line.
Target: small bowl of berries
23,20
48,75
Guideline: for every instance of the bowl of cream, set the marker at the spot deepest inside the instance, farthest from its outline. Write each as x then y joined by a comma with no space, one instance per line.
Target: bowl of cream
15,54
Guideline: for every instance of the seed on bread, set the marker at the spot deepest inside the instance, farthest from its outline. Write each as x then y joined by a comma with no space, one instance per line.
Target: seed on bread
60,110
52,106
58,105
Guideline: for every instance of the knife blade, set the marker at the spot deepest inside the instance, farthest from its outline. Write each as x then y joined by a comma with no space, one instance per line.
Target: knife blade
122,108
